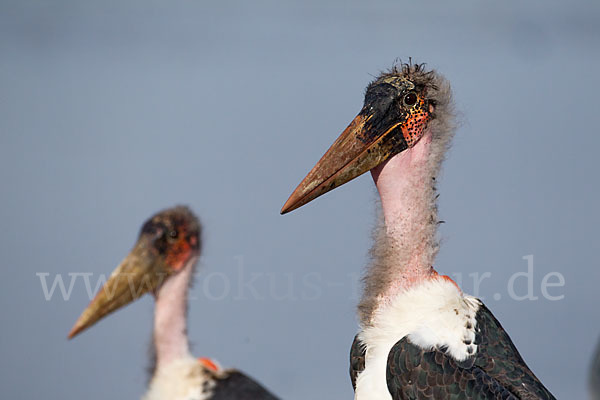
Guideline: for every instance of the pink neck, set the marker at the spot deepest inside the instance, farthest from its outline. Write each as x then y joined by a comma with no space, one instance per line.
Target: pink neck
170,317
405,185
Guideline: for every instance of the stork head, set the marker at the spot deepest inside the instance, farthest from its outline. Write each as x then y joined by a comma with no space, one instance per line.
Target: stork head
400,106
168,243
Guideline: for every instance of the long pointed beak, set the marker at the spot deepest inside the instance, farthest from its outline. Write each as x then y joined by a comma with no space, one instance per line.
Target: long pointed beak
364,144
139,273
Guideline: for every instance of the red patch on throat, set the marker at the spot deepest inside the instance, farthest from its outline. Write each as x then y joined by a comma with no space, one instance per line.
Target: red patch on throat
208,363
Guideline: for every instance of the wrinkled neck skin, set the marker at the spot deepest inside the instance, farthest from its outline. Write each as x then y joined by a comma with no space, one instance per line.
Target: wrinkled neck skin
406,244
170,317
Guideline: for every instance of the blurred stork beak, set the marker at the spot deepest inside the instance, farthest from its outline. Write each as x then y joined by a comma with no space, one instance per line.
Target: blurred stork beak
367,142
139,273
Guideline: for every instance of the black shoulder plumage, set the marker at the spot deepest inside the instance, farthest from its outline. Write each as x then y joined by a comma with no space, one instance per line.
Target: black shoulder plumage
594,376
357,360
235,385
496,371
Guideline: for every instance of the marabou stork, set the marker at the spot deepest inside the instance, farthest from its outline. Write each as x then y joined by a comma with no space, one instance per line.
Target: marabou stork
420,336
162,262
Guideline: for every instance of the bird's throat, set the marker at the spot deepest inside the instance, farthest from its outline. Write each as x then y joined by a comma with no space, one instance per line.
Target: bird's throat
170,318
404,183
405,249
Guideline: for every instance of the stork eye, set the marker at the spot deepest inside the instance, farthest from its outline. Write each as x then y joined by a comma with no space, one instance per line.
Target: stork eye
410,99
173,234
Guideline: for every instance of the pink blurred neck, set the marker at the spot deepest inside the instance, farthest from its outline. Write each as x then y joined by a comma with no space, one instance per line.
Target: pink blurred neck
170,317
405,185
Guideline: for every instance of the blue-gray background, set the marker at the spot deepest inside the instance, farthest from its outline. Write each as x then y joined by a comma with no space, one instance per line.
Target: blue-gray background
112,110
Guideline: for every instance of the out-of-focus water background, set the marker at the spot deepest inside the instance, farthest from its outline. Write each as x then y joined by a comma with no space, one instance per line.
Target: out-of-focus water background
112,110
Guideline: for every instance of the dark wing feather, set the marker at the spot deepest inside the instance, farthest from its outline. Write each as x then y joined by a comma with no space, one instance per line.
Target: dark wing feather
594,378
357,360
496,371
235,385
414,373
498,357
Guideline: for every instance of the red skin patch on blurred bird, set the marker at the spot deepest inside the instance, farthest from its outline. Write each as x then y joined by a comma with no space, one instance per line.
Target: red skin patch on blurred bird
208,363
178,253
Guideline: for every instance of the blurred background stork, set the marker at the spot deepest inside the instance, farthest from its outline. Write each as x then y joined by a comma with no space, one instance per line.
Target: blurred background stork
162,262
110,110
